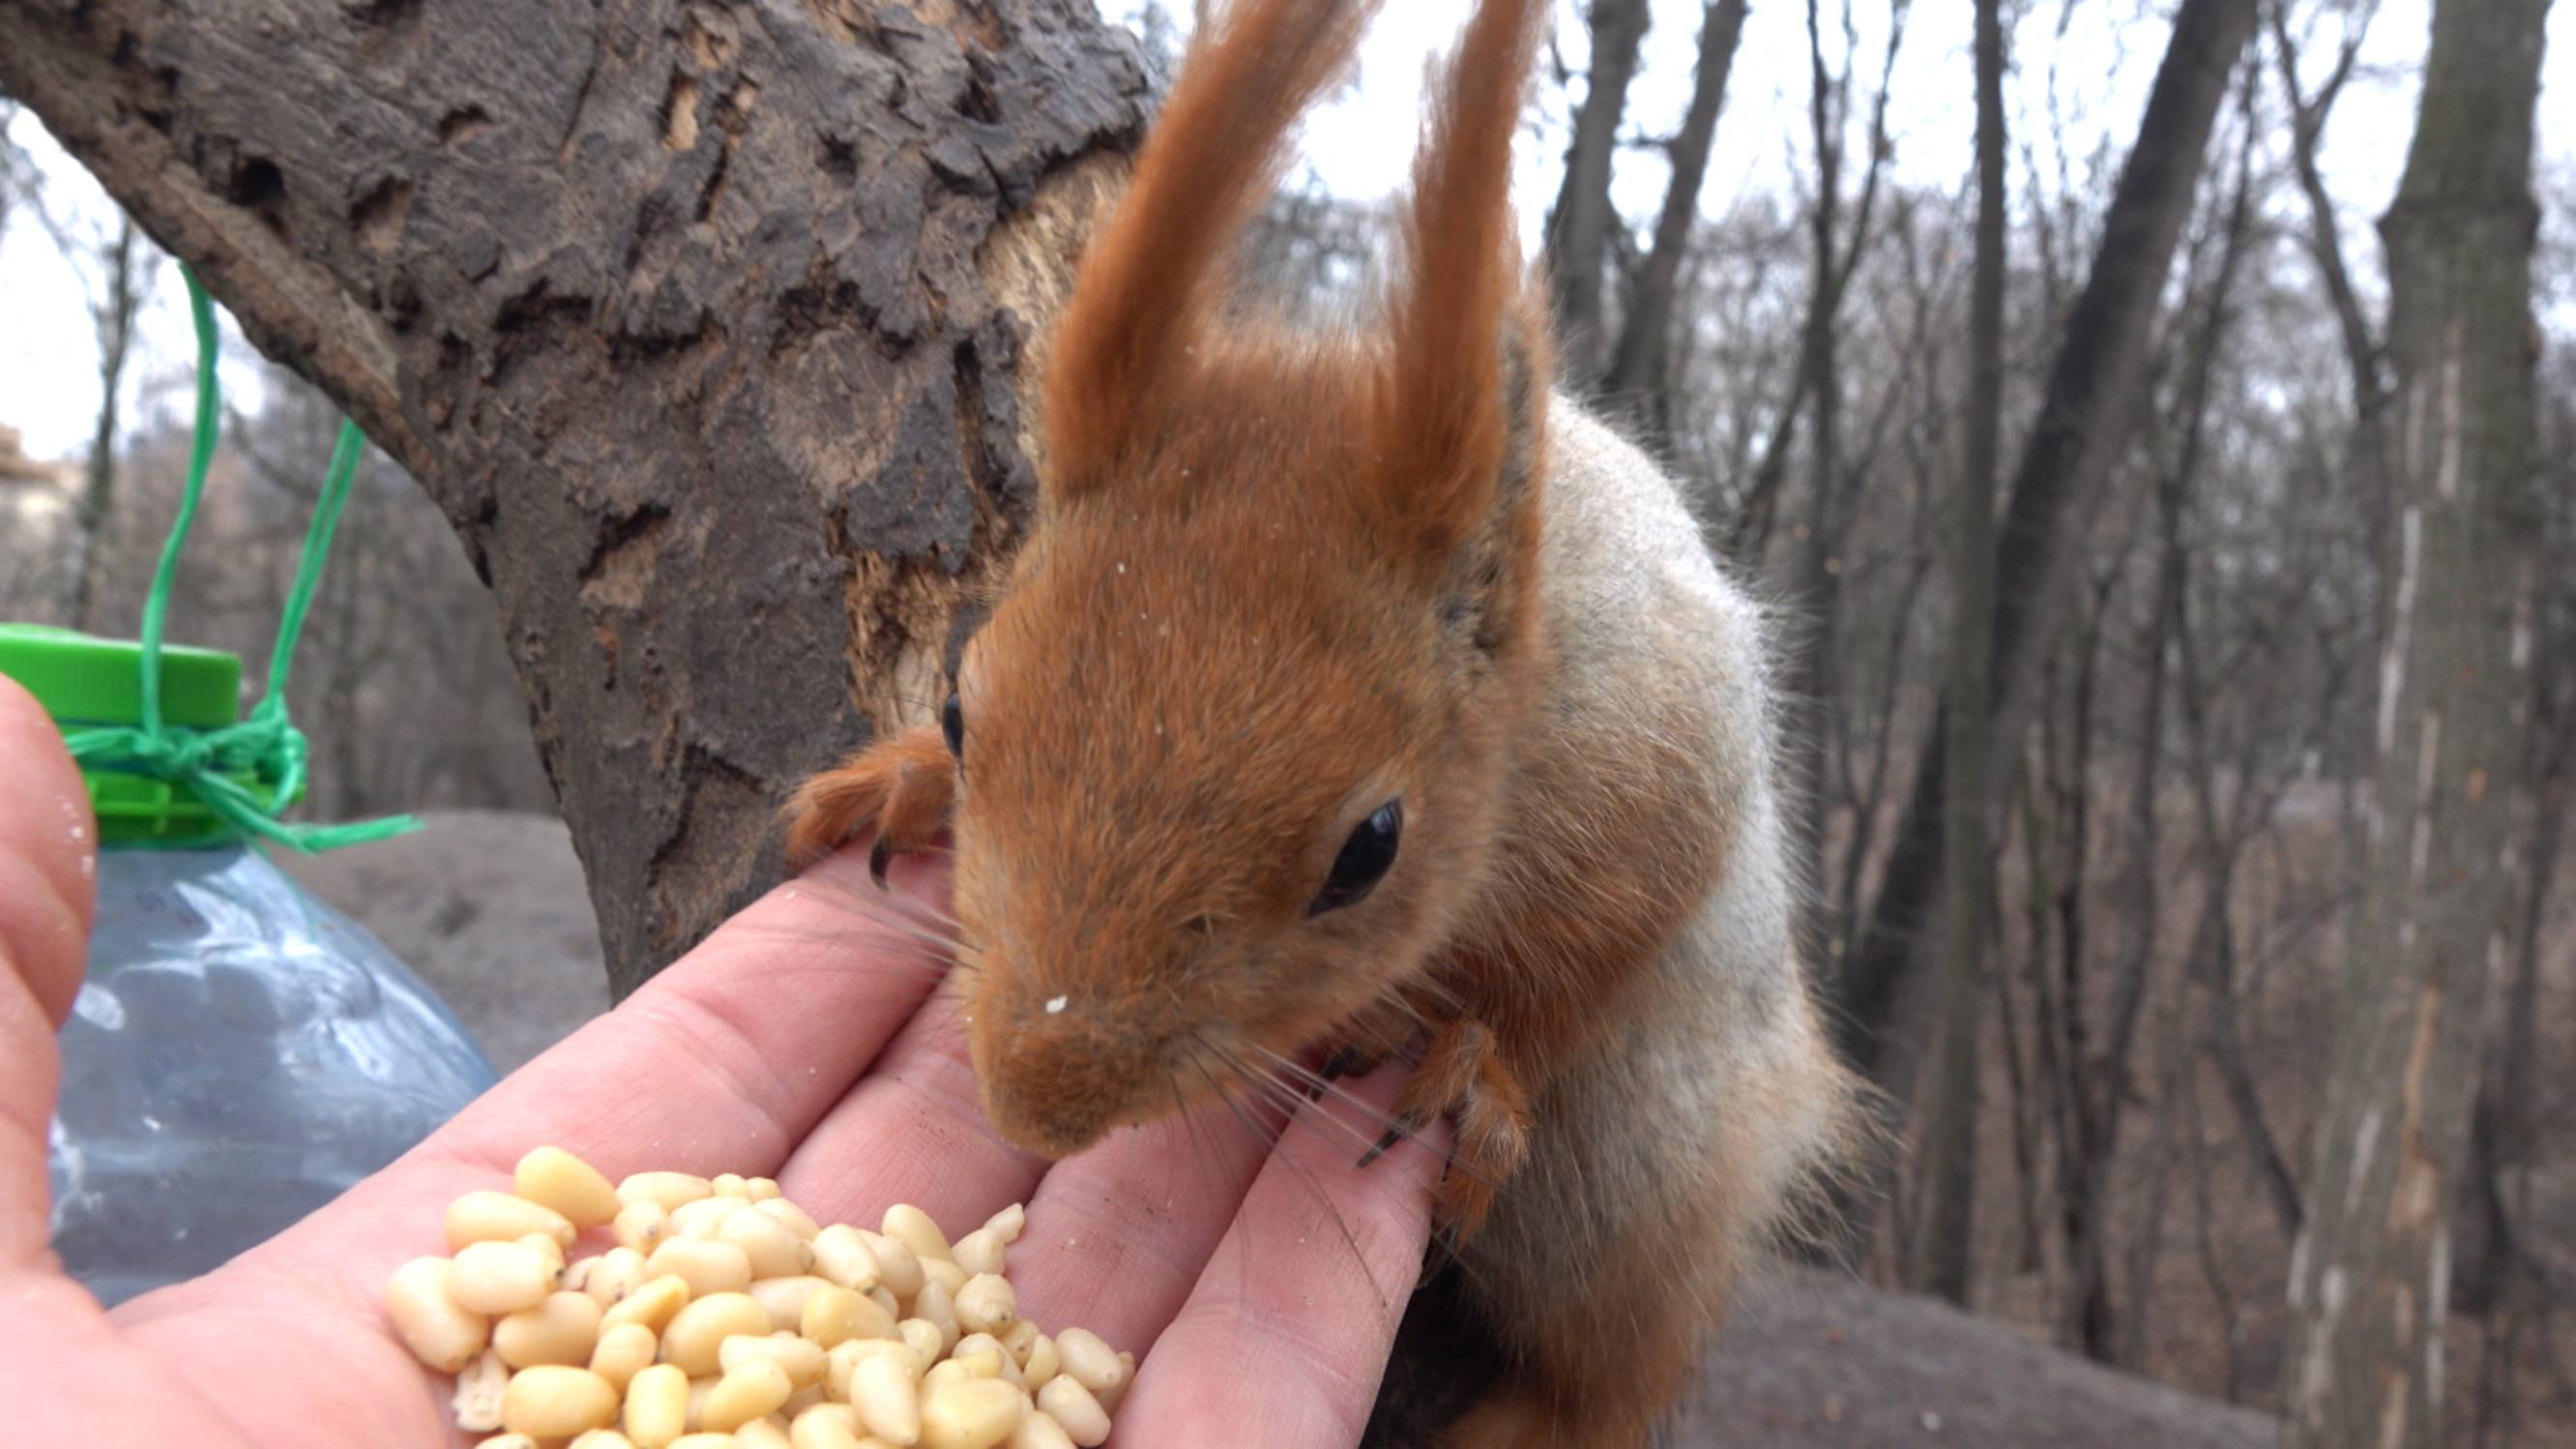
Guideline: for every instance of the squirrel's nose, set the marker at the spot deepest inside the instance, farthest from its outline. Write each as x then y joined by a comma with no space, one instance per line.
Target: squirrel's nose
1053,1079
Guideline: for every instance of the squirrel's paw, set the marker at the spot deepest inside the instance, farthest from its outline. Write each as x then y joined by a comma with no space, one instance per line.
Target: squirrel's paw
902,785
1463,1074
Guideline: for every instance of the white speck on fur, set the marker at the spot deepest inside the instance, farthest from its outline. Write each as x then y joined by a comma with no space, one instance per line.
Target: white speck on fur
1054,1005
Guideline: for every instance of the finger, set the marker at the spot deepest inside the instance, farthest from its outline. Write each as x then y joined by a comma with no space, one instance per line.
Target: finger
48,856
913,1131
1118,1235
1285,1337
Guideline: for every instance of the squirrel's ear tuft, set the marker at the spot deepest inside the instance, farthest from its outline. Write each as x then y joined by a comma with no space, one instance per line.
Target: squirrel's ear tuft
1463,396
1148,282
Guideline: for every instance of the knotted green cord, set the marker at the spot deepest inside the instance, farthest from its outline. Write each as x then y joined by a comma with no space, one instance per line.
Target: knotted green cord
267,745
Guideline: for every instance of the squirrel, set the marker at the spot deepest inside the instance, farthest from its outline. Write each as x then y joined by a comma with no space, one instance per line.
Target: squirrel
1361,693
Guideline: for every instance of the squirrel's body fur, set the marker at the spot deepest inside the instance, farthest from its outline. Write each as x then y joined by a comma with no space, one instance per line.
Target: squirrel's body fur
1280,588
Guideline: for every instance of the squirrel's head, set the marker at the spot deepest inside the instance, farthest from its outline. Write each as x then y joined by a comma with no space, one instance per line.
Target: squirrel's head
1234,744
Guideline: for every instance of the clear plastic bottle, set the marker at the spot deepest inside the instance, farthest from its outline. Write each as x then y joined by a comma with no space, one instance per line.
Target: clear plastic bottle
239,1053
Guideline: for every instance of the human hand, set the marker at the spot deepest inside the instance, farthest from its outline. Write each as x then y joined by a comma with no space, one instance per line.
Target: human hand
1259,1281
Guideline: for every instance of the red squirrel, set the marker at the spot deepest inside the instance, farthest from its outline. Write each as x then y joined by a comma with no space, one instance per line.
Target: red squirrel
1359,691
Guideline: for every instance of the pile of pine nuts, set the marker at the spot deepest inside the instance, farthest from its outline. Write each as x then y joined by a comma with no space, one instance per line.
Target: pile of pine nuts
726,1318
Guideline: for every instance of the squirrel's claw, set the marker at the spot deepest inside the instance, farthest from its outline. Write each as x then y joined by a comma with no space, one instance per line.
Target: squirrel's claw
1463,1074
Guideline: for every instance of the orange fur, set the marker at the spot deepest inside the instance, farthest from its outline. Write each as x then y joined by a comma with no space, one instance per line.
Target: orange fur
1276,582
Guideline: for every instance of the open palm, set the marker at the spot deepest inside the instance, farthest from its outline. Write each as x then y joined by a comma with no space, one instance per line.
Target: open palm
802,1041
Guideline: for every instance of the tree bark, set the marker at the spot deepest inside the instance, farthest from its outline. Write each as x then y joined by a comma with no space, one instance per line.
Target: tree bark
127,262
1948,1155
1638,377
1578,228
703,325
2084,413
2369,1280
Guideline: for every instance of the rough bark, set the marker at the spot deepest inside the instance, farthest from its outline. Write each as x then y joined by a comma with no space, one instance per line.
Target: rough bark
1578,228
2084,412
702,323
1637,378
1948,1155
2369,1280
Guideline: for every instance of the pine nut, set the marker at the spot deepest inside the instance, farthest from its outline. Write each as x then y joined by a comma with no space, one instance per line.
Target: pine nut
785,1298
986,1304
657,1406
834,1315
553,1402
770,1246
565,1183
979,1252
760,1189
1041,1362
898,1266
934,1306
479,1387
731,1184
577,1276
971,1414
1065,1400
888,1401
561,1330
492,1277
623,1352
924,1339
700,1219
705,1267
801,1400
603,1439
793,1218
672,1190
438,1330
975,1348
618,1272
1039,1431
641,1225
1009,1223
800,1358
945,1273
654,1303
507,1441
825,1426
767,1433
745,1393
485,1216
1087,1360
841,1255
697,1332
913,1228
706,1441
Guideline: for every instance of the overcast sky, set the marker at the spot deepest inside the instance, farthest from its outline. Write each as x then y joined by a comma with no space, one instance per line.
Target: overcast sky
2097,57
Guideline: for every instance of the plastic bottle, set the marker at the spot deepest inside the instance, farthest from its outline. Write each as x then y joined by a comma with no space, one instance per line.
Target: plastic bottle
239,1053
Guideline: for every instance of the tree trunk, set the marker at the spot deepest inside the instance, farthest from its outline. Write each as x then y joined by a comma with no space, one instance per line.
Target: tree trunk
1578,229
2369,1284
703,325
2083,416
1948,1155
1638,378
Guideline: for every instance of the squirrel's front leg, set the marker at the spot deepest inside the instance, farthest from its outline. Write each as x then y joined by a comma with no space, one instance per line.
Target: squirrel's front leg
903,785
1464,1075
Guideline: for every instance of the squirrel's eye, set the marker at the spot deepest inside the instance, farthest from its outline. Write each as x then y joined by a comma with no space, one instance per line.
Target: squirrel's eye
952,725
1363,861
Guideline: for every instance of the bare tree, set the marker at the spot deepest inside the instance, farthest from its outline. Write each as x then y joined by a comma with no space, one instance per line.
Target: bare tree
2369,1286
1946,1170
2083,417
124,264
1579,226
1638,376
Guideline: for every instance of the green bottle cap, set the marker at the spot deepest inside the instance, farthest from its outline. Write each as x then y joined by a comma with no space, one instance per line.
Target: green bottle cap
87,682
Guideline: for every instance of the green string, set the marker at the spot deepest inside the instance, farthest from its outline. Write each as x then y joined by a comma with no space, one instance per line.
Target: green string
266,746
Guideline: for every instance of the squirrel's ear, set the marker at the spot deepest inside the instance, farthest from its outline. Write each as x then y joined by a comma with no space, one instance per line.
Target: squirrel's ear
1146,284
1462,400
